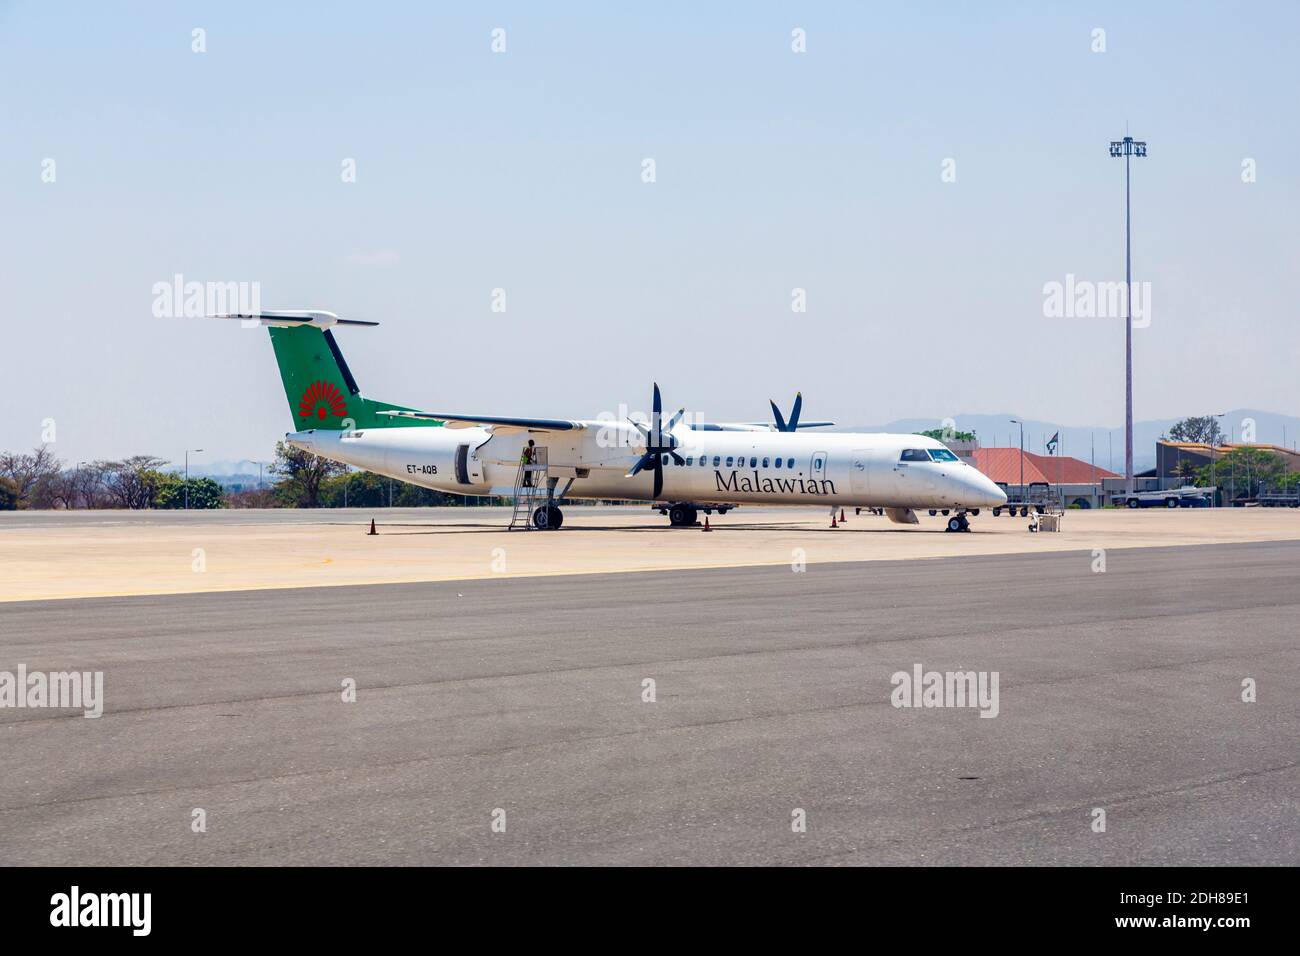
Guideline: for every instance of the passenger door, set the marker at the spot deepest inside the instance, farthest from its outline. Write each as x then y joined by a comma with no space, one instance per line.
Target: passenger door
860,472
817,466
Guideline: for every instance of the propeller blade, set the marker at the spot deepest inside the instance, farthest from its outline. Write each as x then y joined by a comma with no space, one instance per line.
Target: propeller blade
640,463
659,477
645,432
672,422
677,458
794,412
657,416
780,419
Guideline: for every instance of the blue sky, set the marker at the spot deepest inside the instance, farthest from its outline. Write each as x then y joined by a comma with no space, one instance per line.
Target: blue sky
522,171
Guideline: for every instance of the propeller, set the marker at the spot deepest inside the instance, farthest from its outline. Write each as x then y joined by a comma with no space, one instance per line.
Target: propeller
781,424
659,441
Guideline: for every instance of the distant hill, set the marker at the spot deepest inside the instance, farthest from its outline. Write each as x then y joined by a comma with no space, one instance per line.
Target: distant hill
1078,441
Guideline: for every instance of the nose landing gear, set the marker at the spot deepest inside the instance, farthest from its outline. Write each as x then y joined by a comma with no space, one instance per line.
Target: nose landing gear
547,518
958,522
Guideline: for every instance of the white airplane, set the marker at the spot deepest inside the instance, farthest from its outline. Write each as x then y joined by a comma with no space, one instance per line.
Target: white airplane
679,466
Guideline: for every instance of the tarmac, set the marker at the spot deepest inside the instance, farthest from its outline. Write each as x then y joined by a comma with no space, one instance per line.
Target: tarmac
49,555
506,718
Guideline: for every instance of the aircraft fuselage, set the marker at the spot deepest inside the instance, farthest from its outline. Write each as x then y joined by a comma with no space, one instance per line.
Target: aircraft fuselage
734,467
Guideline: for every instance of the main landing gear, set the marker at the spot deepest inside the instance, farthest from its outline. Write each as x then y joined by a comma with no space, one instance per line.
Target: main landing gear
958,522
547,518
686,514
682,516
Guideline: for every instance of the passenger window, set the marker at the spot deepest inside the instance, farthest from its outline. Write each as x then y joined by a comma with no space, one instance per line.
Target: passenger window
704,461
717,459
789,463
914,454
753,462
690,460
728,461
817,464
778,463
764,462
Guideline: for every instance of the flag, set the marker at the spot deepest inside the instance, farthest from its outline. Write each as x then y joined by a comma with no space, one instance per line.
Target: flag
1052,442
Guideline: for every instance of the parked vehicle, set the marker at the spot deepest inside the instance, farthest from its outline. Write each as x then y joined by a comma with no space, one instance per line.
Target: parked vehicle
1185,497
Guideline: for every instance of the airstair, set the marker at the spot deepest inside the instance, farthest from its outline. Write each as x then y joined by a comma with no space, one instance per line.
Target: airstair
530,490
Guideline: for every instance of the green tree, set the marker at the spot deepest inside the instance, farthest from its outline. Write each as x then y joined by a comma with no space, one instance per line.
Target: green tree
1203,429
302,475
204,492
133,482
8,495
1244,472
943,434
364,489
414,496
29,475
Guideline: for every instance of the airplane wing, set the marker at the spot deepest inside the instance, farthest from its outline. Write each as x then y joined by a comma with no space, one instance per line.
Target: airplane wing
473,421
800,425
748,426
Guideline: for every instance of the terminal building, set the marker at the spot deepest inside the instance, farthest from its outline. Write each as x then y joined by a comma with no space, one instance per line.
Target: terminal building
1172,456
1078,483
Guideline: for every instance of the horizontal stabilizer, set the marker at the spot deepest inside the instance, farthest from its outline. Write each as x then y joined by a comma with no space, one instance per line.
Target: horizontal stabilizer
288,318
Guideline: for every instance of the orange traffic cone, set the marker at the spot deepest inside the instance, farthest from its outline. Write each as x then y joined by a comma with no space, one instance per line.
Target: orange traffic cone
833,524
843,520
706,523
372,527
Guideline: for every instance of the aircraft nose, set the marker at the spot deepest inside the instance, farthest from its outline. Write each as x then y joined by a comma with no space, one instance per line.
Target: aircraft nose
994,495
982,492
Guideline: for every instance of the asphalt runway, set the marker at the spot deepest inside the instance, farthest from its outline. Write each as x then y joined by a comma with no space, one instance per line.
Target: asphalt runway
1118,691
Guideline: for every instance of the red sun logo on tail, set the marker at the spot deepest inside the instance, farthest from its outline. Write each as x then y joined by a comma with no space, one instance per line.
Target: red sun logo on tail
322,399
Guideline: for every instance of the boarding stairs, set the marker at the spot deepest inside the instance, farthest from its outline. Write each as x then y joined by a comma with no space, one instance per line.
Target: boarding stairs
530,490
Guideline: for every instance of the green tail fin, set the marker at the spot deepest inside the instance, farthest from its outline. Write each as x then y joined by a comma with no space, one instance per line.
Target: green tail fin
320,388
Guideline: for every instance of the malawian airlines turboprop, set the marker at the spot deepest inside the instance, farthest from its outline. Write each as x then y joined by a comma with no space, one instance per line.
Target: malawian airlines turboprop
679,466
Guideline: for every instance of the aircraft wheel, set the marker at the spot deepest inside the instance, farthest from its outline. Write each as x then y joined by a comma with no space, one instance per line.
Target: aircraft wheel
956,523
682,516
547,518
933,512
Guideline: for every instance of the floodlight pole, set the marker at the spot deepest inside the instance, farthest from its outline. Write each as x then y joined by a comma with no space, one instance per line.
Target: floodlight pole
1128,147
1214,447
1023,496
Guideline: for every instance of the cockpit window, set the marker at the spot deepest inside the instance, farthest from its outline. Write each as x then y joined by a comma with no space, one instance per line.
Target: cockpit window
942,454
914,454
